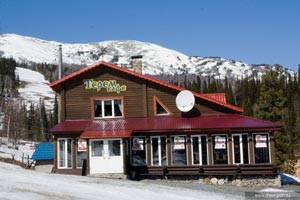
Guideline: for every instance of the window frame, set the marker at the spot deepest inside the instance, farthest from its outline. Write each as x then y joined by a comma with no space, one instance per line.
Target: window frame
227,148
65,153
145,150
268,144
241,148
200,149
103,99
159,150
157,100
186,150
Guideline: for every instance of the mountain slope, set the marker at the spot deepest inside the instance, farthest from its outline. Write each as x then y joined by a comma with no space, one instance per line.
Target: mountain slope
156,59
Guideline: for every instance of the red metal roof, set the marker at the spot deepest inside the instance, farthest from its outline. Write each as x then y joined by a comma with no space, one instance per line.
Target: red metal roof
122,127
221,97
55,85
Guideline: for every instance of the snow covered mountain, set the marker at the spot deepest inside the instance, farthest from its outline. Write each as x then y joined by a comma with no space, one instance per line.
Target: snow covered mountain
156,59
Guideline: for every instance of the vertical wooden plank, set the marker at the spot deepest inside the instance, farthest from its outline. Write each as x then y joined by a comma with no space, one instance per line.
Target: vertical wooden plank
148,150
251,149
62,102
169,150
230,159
272,146
189,150
87,156
209,146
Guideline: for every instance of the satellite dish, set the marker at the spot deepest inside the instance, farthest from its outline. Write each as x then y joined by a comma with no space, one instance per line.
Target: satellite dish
185,101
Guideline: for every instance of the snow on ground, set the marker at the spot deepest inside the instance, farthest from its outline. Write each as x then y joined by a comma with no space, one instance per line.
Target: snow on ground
19,183
35,87
20,151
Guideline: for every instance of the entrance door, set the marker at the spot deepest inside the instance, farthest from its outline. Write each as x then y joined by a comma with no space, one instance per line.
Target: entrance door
106,156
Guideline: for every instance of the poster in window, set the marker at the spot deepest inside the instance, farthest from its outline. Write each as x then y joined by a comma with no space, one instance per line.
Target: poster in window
220,142
81,145
179,142
260,141
137,144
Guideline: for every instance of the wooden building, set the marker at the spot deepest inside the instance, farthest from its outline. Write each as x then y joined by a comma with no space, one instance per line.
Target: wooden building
123,122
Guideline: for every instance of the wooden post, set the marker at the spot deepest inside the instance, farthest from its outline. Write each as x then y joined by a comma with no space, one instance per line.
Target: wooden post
189,150
148,150
230,160
251,149
87,156
209,146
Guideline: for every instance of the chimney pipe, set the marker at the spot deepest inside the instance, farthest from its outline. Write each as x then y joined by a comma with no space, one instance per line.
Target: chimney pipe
59,62
137,64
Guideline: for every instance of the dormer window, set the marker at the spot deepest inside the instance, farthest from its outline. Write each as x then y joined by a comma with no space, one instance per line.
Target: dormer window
107,107
159,108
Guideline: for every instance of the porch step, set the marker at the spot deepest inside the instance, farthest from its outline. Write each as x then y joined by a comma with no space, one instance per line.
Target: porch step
110,176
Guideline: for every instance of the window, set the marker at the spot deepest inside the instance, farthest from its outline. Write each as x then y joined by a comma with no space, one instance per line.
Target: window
199,148
160,108
64,153
261,148
178,150
240,149
158,151
220,155
80,152
138,151
114,147
97,148
108,108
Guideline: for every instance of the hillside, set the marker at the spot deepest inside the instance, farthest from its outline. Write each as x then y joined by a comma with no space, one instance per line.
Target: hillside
156,59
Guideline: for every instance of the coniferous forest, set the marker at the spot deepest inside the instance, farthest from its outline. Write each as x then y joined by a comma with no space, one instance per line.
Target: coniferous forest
273,96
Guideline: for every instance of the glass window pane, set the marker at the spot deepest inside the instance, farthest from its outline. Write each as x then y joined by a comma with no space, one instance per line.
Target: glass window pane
178,150
261,148
62,153
97,108
160,110
236,149
163,143
245,149
118,107
196,155
204,150
220,149
138,151
97,148
107,108
114,147
155,152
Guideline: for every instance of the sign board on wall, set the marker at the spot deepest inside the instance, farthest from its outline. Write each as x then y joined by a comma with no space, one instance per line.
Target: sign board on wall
179,142
260,141
109,85
220,142
81,145
137,144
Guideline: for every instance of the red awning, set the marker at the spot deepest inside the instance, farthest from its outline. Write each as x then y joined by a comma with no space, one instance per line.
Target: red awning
123,127
106,134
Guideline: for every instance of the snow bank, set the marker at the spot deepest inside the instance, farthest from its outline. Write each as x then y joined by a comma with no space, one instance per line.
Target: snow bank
26,184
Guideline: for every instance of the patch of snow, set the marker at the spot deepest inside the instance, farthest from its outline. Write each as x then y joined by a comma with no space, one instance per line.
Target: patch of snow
26,184
35,87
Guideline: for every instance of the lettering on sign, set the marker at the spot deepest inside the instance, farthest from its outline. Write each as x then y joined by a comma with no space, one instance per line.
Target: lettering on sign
108,85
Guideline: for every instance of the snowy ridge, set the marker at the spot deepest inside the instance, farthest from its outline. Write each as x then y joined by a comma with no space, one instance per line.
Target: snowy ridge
156,59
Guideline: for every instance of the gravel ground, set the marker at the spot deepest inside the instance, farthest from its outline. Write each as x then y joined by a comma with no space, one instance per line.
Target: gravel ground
225,189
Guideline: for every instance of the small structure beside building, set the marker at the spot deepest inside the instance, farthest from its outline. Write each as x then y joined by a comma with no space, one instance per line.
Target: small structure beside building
123,122
43,157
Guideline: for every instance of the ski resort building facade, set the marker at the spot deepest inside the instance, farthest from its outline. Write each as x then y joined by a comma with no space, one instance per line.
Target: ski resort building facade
118,121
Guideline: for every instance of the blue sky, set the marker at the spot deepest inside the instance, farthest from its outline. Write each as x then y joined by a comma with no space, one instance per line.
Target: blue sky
253,31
